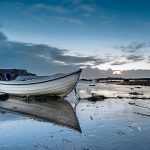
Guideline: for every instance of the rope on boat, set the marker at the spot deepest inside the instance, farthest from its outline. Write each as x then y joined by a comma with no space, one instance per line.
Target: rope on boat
75,106
77,94
78,98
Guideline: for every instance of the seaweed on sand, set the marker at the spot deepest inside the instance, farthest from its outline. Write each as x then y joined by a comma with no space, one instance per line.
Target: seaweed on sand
135,93
4,97
95,97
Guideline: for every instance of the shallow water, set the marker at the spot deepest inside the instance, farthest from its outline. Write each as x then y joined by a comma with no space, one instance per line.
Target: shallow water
113,90
112,124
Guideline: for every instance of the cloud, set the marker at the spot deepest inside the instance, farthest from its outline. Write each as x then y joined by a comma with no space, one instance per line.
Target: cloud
2,36
59,12
70,20
132,48
59,55
92,73
135,57
77,12
41,57
119,63
139,73
76,2
133,52
52,8
148,59
86,8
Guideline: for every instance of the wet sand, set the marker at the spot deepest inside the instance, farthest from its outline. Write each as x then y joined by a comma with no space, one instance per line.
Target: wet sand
111,124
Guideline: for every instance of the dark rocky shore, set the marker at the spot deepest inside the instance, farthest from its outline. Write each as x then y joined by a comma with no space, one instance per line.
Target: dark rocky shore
14,73
121,81
136,82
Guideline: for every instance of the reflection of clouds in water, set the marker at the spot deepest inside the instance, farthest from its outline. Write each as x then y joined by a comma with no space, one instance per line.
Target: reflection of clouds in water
85,92
111,90
8,116
100,89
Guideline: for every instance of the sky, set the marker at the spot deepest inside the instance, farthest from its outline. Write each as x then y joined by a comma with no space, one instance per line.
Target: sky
108,37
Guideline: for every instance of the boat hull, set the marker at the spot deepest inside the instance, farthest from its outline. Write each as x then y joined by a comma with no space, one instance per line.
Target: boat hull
56,87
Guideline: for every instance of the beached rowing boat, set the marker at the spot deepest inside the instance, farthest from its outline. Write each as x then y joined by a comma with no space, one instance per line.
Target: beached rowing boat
56,85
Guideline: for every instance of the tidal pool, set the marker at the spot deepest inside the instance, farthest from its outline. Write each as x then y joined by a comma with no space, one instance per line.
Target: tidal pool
112,124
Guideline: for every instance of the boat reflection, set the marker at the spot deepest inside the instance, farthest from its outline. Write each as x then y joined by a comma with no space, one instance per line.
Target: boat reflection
45,108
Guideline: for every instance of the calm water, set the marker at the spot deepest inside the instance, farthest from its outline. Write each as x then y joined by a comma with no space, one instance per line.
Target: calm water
112,124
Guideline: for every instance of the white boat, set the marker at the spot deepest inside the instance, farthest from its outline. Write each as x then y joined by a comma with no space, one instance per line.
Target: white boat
56,85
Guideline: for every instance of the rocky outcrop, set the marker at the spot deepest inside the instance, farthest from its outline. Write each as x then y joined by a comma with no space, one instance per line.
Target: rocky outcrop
14,73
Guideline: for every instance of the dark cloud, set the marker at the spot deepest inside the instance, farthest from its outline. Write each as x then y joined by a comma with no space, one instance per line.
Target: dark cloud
135,57
48,53
148,59
30,55
92,73
133,52
43,59
119,63
2,36
133,47
139,73
96,73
